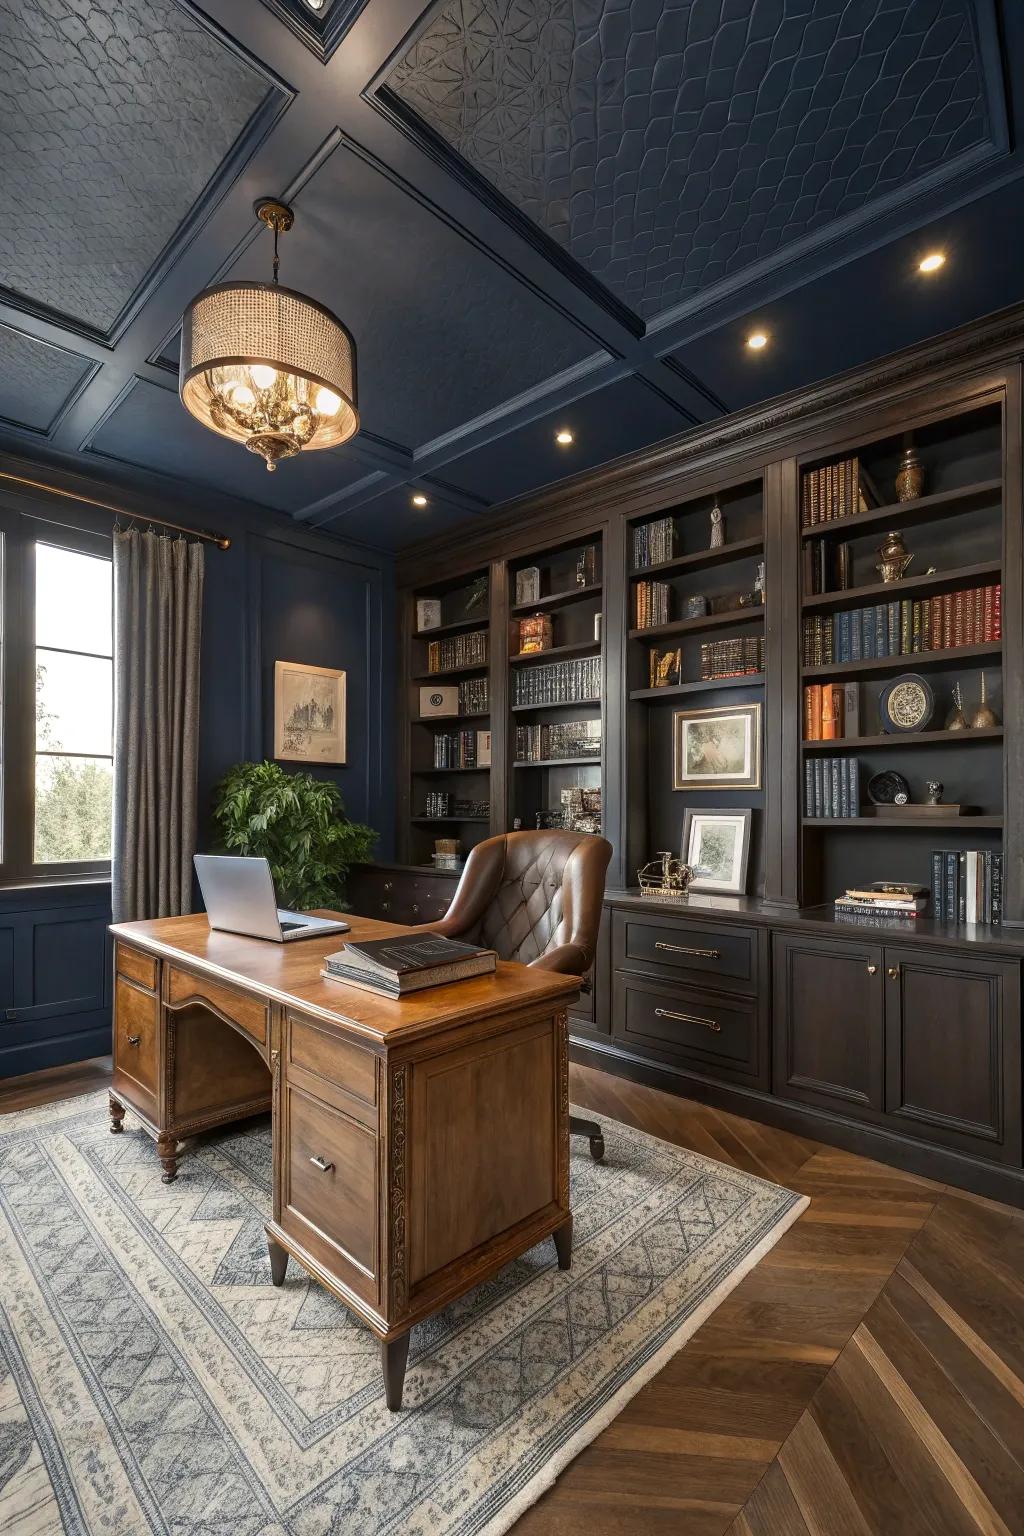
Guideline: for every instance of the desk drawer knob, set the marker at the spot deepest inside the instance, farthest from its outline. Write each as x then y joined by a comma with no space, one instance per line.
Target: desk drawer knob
388,887
322,1164
688,1018
893,972
681,949
872,970
134,1039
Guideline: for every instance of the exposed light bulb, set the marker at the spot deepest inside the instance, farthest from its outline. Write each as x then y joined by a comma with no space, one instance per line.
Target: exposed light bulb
756,340
932,262
327,402
242,396
419,500
262,376
564,437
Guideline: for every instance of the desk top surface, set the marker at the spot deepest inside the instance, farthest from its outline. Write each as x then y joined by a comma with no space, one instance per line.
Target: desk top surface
290,974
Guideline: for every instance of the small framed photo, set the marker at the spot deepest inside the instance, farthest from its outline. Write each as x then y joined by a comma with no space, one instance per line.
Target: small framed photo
716,845
717,748
428,613
528,585
309,713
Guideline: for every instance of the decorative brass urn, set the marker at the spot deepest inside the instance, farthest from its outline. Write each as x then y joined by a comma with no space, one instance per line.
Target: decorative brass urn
893,557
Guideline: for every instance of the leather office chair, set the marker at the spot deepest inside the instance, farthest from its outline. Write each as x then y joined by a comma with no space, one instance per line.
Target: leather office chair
534,897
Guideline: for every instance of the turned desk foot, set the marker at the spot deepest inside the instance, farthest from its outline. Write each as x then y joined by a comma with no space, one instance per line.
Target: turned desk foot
278,1261
393,1356
116,1116
563,1244
167,1151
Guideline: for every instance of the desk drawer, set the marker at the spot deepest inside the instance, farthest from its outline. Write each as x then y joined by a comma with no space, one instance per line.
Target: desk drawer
342,1063
698,1028
249,1013
669,946
331,1189
135,1036
136,966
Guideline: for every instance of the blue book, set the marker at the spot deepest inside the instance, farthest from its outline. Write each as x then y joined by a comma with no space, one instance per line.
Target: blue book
856,635
843,637
867,638
895,649
882,630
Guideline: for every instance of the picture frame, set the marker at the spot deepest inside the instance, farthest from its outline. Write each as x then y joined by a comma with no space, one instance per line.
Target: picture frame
716,846
309,714
718,749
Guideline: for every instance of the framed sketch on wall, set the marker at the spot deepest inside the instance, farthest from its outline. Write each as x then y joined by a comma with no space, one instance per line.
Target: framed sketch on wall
717,748
309,713
716,845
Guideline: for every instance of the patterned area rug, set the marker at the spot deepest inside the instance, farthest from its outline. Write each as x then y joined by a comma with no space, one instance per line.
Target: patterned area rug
152,1379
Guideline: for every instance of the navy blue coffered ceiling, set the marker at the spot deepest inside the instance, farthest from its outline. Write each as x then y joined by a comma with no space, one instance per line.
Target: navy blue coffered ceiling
530,213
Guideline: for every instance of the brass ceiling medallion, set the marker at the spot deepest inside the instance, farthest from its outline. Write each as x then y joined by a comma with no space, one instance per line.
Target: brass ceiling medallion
266,366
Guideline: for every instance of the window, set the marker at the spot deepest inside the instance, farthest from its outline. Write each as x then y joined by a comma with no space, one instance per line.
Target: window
57,699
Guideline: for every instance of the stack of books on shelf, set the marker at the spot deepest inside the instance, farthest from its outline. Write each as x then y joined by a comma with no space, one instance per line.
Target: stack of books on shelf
461,749
653,601
967,885
831,711
732,658
395,967
473,696
560,682
891,901
458,651
831,787
904,627
834,490
568,740
438,803
441,803
828,567
654,542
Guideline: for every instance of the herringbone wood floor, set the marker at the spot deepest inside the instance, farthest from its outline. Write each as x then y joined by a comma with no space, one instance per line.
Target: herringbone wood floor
866,1379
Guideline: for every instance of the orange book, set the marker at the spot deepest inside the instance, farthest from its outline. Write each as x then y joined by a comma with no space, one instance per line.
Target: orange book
828,717
812,712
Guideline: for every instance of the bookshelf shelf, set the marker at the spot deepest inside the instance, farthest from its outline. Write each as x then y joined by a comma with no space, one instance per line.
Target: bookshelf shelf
905,739
910,586
676,690
581,648
557,704
710,621
422,773
738,549
438,821
919,823
559,599
561,762
433,677
902,513
443,720
454,628
917,661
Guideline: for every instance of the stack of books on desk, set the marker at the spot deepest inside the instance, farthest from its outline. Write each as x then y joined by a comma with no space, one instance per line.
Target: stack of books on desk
396,967
884,898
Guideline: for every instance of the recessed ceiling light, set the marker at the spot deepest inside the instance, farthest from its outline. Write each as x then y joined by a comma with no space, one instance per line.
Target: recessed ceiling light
419,500
315,5
564,437
756,340
932,262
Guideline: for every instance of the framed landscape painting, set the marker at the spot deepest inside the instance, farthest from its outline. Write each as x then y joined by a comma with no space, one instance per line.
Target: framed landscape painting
309,713
717,748
716,845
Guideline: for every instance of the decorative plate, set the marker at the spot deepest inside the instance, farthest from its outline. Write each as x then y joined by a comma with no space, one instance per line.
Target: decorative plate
906,704
888,788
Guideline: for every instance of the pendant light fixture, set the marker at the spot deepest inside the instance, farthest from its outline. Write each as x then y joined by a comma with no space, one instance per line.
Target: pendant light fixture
266,366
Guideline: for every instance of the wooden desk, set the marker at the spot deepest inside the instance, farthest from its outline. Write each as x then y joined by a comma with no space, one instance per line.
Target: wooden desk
418,1145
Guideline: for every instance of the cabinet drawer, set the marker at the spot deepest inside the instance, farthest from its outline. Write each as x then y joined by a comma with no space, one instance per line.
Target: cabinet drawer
699,1028
669,946
136,966
341,1062
331,1181
249,1013
400,896
135,1036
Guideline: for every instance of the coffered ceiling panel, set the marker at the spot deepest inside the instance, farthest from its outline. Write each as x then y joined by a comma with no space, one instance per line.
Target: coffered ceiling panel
668,144
391,521
35,379
114,117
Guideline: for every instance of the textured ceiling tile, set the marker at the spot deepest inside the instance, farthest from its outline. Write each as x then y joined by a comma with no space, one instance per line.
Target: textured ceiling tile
114,115
35,379
639,135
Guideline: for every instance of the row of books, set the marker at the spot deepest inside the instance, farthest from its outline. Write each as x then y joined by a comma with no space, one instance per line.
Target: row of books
967,886
567,740
440,803
828,567
883,898
654,542
904,627
831,711
832,787
462,749
653,604
834,490
458,651
732,658
474,698
560,682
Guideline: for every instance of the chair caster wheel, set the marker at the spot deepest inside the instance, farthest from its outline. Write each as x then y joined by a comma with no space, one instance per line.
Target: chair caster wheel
597,1148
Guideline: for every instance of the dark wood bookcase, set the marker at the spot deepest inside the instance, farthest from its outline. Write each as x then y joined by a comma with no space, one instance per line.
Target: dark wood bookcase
754,1029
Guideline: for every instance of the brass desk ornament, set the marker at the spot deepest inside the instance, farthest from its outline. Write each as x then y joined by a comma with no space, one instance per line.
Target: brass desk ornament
984,716
893,558
665,877
910,479
956,720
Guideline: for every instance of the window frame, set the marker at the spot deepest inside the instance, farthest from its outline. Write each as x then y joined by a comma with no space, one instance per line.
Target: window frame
21,530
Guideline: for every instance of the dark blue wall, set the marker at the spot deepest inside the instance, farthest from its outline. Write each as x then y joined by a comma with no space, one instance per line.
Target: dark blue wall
277,593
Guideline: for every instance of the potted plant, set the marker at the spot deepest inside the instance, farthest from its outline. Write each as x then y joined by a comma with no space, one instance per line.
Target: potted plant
298,824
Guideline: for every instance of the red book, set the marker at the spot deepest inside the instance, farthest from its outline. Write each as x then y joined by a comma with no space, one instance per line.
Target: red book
997,612
958,618
946,641
978,617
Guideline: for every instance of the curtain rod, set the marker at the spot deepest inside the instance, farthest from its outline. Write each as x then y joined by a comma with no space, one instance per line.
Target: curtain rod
219,539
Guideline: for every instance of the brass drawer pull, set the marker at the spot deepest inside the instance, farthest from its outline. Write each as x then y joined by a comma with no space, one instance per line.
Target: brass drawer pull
318,1162
872,970
681,949
134,1039
893,972
688,1018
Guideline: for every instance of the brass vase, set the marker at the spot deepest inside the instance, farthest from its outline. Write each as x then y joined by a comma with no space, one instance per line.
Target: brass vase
910,480
984,716
956,720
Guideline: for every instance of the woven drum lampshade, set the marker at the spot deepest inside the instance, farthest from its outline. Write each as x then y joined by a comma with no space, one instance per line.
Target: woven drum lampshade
268,367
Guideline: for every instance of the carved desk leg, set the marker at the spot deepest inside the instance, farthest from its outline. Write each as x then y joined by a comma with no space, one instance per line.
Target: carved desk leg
278,1261
394,1354
116,1116
167,1151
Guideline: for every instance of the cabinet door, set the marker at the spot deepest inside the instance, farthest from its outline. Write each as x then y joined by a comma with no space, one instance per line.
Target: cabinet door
828,1023
952,1071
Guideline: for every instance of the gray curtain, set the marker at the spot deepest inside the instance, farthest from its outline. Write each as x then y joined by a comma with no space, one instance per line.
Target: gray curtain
158,595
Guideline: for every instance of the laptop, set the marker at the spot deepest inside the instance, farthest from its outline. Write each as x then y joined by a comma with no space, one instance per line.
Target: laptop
238,894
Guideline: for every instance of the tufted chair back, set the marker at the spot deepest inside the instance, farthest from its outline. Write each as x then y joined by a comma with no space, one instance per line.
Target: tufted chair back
534,897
